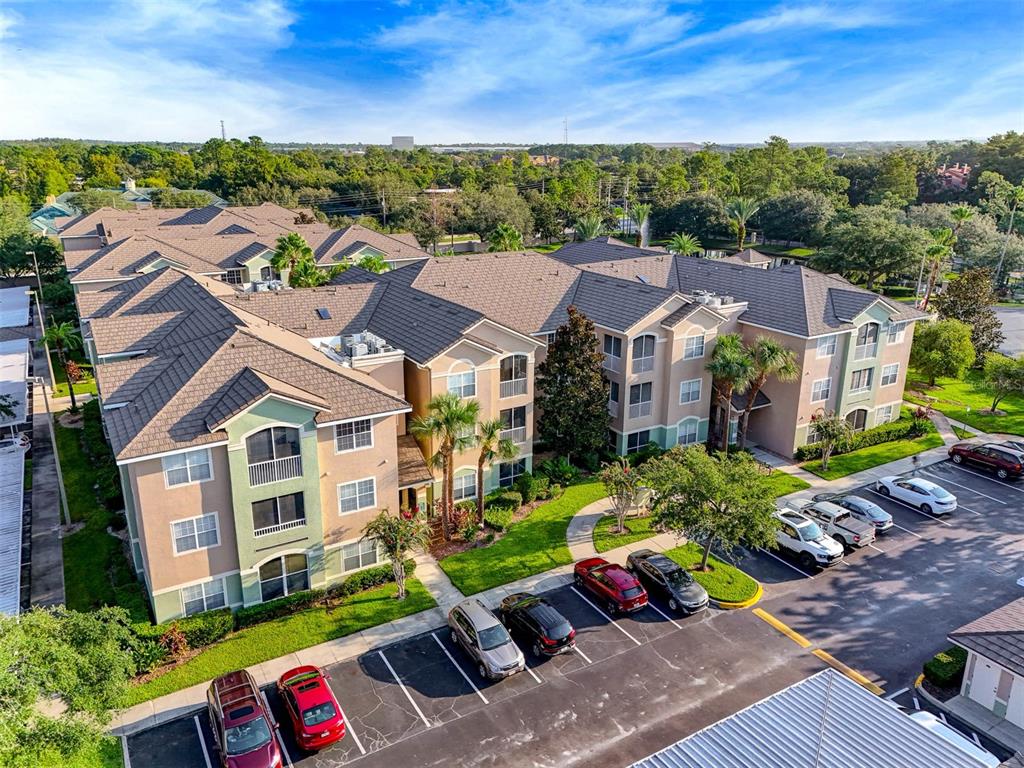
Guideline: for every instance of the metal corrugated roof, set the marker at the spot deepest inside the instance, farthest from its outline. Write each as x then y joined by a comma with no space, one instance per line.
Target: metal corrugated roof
825,721
12,490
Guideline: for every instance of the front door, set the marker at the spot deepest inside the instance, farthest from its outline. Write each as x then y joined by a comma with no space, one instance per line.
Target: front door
1003,689
984,683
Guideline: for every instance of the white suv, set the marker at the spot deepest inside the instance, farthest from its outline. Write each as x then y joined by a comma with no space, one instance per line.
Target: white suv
805,539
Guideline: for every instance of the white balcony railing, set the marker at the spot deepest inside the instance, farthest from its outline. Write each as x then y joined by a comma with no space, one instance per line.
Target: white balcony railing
613,409
275,470
643,364
865,351
512,387
277,528
612,363
639,410
516,434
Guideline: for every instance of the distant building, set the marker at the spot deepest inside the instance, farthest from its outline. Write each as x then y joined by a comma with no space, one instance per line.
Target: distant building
954,177
402,142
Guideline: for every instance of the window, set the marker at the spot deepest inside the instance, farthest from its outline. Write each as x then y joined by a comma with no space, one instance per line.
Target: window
612,352
613,394
813,435
353,435
637,440
513,376
689,391
514,420
272,443
861,380
867,342
203,597
278,513
186,468
643,353
269,273
821,390
885,413
889,374
688,432
195,533
640,400
361,494
549,338
284,576
857,419
509,472
897,332
693,347
359,554
465,486
233,277
827,346
462,384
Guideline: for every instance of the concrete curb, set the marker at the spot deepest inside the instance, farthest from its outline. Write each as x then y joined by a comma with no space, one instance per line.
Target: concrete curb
920,691
731,606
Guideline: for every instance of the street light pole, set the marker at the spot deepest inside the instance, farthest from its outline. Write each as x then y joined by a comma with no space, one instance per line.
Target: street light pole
46,347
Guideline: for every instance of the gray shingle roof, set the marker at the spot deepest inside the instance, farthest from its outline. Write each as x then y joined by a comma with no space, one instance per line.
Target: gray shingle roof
600,249
998,636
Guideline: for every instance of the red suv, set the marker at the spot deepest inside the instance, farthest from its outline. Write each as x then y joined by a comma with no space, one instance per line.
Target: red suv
315,714
1003,460
243,727
617,588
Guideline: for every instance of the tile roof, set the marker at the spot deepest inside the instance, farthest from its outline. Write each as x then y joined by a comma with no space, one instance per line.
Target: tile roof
249,387
749,256
601,249
998,636
343,243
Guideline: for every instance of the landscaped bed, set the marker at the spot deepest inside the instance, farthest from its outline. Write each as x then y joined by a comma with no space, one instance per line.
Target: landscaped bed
966,400
87,384
866,458
637,529
724,582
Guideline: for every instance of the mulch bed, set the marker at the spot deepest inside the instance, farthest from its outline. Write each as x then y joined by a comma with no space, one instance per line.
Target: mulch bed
486,537
940,693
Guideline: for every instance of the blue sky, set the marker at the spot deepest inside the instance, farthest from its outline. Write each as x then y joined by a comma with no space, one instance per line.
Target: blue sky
640,70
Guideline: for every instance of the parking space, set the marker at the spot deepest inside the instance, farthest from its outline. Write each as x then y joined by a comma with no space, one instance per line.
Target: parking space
177,744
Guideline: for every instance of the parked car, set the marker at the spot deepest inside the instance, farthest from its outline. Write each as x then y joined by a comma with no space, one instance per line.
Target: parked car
955,738
1006,462
485,640
616,588
804,538
243,728
312,707
860,508
663,576
837,522
930,498
537,622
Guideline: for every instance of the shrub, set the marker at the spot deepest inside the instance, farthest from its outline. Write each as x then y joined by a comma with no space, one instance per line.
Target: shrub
462,512
555,490
198,630
650,451
527,487
559,471
513,499
498,518
368,578
174,642
946,668
905,427
275,609
542,486
148,655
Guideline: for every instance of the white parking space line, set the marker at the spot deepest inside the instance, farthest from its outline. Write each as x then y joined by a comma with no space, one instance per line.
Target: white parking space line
664,615
534,675
876,548
202,741
942,717
124,751
788,565
960,506
404,689
461,671
610,619
917,704
912,533
846,563
900,692
351,731
991,479
908,506
582,654
277,732
967,487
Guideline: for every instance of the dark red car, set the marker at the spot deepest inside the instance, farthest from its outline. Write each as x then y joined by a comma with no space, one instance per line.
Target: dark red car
617,588
1003,460
242,724
311,705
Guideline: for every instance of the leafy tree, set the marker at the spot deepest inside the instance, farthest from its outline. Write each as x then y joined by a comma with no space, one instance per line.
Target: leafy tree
731,368
641,214
942,348
290,250
832,430
398,535
373,262
573,391
937,254
62,338
769,358
708,174
13,217
684,244
702,215
8,404
91,200
712,499
15,258
505,238
449,422
546,220
622,483
896,183
800,215
589,226
970,299
1003,376
483,212
1014,198
492,447
740,210
1004,154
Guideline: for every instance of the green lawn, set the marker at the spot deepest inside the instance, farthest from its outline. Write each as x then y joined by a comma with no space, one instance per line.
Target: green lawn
962,434
783,483
723,582
533,545
955,397
87,386
872,456
549,248
287,635
637,529
104,754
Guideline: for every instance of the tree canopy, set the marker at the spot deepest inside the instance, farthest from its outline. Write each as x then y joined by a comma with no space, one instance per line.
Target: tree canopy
942,348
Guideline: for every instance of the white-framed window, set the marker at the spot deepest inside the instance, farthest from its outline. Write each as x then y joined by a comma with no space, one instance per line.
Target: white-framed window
896,333
886,413
821,390
509,472
549,338
284,576
861,380
194,533
827,346
353,435
278,513
187,468
689,391
693,347
640,400
462,384
207,596
612,346
889,374
360,554
465,486
637,440
357,495
813,436
233,277
643,353
867,342
688,432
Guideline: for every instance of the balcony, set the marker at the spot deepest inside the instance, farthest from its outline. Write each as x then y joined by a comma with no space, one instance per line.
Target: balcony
643,364
639,410
516,435
612,363
275,470
865,351
278,528
613,409
512,387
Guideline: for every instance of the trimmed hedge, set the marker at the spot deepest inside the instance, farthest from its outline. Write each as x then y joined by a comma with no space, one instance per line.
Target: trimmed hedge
513,499
498,518
903,428
108,481
946,668
199,630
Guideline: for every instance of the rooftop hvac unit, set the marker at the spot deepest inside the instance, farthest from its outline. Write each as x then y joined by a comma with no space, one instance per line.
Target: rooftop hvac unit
358,350
727,300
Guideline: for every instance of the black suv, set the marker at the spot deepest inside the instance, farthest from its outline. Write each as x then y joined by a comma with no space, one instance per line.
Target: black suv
663,576
534,620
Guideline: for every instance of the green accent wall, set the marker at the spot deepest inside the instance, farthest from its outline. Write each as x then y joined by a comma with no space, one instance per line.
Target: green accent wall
168,605
130,514
665,437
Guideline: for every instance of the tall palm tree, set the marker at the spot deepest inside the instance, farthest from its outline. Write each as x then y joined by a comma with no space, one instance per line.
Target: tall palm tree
769,358
1015,198
641,215
959,215
740,210
731,369
684,244
493,447
589,226
62,337
505,237
937,253
449,422
291,249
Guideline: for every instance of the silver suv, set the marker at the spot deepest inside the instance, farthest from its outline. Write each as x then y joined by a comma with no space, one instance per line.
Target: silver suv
485,640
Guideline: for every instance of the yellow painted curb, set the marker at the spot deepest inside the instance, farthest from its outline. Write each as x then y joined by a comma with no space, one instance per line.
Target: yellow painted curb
851,673
920,679
793,635
726,605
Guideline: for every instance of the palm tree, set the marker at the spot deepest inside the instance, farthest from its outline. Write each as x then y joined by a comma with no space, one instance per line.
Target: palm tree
740,210
769,358
641,215
63,337
731,369
505,237
589,226
959,215
492,447
937,253
291,249
684,244
449,422
1015,197
373,262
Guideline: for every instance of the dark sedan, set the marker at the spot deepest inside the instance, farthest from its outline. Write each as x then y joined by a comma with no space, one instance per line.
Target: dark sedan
663,576
535,621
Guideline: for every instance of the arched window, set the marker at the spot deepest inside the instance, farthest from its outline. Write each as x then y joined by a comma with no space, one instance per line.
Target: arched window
273,454
513,376
688,431
643,353
857,419
283,576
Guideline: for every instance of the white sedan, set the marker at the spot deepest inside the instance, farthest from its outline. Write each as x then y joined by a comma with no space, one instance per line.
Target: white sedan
916,492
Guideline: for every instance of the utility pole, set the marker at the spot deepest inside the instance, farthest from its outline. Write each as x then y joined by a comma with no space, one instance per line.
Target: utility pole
42,317
625,202
223,133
